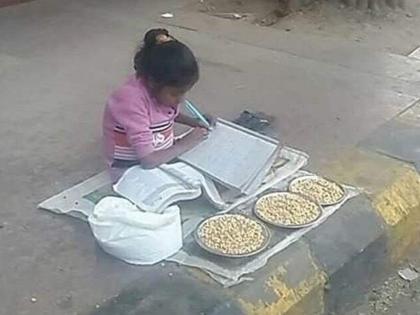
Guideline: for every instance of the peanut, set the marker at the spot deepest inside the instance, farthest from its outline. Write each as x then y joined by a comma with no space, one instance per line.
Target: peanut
232,234
319,189
285,208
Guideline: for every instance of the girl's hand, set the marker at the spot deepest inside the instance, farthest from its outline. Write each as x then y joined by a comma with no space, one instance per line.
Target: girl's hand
196,136
195,123
183,145
210,119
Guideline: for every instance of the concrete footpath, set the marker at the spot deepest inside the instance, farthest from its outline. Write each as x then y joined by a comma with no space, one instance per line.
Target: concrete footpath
355,111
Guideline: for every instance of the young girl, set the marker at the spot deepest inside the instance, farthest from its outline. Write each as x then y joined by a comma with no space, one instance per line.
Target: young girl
139,116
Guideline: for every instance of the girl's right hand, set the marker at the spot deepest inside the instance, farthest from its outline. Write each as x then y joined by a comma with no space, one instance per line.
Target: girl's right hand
196,136
183,145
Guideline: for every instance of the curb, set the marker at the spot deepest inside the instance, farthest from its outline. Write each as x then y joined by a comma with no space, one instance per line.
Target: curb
294,282
332,267
393,188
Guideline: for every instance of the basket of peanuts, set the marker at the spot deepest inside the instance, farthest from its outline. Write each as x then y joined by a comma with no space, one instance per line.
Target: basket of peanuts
322,190
287,210
232,235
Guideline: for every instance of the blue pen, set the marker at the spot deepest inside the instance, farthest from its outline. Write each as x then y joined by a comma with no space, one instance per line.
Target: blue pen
194,111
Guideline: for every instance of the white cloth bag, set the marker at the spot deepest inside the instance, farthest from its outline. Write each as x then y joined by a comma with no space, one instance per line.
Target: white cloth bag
134,236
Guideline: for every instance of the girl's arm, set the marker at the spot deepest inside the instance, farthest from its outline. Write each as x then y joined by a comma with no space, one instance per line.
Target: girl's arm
187,120
192,122
185,144
134,117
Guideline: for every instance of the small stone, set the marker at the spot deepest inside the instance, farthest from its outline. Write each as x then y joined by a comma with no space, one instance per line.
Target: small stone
170,274
162,264
409,15
97,306
408,274
167,15
34,299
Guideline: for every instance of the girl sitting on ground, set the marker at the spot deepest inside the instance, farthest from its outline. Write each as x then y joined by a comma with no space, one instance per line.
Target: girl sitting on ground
140,115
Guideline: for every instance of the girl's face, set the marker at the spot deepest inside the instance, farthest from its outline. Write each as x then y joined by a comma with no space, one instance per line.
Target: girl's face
168,95
171,96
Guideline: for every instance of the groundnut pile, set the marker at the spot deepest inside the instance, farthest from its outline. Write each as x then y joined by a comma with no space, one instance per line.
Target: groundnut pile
232,234
319,189
288,209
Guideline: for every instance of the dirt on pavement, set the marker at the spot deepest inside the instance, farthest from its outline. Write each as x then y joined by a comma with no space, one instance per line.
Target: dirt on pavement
386,29
394,296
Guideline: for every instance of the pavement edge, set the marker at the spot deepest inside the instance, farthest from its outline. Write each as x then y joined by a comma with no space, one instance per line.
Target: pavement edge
333,266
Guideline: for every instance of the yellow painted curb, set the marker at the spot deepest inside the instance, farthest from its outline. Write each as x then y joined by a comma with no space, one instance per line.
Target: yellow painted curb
288,297
399,205
393,188
399,199
290,300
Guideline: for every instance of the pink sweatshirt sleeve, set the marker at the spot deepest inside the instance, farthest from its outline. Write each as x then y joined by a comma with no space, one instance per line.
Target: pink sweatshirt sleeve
132,114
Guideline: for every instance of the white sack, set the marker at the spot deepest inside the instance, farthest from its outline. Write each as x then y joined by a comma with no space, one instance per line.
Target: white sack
134,236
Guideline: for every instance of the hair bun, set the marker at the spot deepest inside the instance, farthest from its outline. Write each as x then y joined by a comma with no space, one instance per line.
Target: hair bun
156,36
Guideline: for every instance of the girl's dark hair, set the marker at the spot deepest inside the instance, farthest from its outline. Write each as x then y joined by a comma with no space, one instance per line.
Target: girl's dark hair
167,63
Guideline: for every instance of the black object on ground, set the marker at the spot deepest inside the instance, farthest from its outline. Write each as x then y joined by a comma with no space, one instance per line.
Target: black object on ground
258,121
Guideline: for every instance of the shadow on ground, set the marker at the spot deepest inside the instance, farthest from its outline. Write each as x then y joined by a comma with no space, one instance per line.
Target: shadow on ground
174,294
